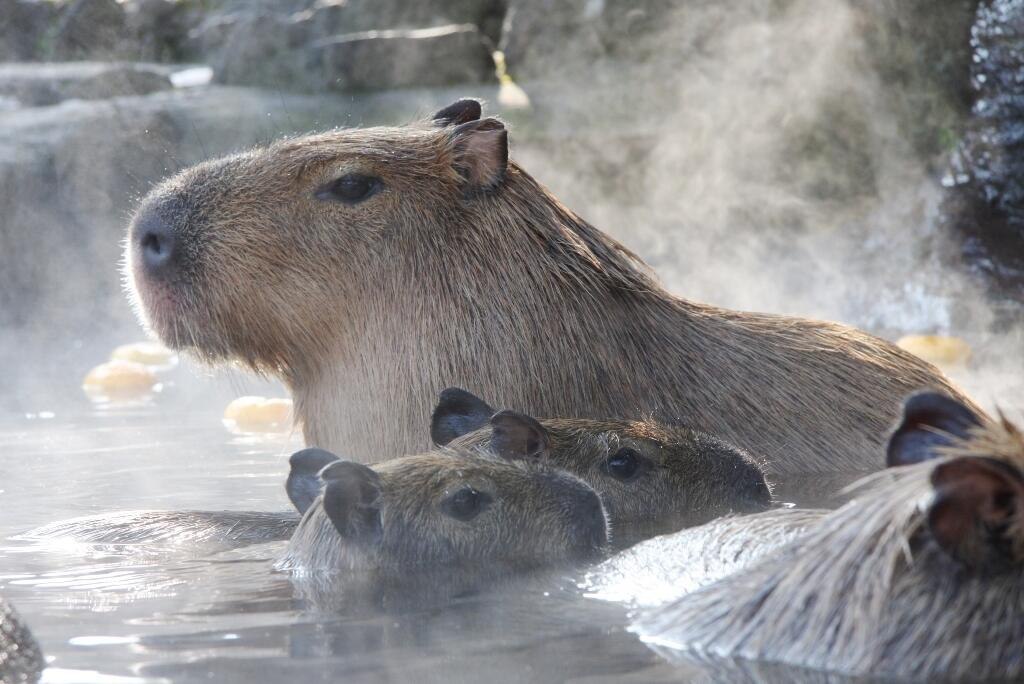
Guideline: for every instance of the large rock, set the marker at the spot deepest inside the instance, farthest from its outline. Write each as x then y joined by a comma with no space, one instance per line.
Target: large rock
34,84
376,60
23,26
94,29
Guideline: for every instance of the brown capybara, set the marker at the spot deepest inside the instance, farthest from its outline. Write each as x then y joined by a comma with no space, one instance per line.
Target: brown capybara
921,576
371,268
652,478
449,507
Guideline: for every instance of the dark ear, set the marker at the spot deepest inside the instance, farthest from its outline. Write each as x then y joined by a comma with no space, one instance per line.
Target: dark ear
515,435
303,484
972,515
481,153
352,500
457,413
458,112
929,420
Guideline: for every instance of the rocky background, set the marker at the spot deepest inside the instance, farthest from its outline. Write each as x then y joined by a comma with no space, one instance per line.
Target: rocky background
852,159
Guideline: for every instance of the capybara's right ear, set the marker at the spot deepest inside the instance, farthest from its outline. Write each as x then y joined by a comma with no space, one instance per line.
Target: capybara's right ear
930,420
514,436
303,484
480,153
457,413
352,500
458,112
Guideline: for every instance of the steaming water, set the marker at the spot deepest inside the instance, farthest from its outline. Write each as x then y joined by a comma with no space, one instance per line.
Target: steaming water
166,612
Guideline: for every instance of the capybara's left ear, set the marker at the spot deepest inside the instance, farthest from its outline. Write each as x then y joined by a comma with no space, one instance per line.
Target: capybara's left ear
458,112
930,420
975,514
514,435
481,153
303,484
352,501
457,413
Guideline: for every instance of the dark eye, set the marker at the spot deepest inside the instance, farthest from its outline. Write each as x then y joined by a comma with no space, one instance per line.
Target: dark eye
624,464
465,504
350,189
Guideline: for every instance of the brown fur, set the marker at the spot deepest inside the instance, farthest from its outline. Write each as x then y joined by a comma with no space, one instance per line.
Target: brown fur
869,591
367,311
687,479
538,516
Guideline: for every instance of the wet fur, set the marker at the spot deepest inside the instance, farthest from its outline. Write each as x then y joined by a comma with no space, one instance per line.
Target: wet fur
21,660
368,311
867,591
535,519
695,478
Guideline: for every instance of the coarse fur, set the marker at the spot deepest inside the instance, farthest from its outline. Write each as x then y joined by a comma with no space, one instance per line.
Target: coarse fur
460,272
871,589
677,477
21,660
535,516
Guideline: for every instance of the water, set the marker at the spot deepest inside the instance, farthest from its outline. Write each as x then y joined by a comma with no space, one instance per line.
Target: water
167,612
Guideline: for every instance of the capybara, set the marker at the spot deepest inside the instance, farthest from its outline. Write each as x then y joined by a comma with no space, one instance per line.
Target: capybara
652,478
21,660
371,268
446,507
921,576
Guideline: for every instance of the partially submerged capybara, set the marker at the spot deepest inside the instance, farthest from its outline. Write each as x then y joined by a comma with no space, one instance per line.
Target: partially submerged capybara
652,478
922,575
21,660
446,507
370,268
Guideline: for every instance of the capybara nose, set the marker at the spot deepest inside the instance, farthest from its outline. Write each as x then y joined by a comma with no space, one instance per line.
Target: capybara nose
155,242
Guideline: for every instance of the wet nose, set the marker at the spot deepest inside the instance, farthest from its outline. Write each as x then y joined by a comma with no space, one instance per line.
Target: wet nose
589,517
156,243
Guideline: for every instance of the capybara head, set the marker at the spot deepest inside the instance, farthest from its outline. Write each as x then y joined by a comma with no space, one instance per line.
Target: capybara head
653,478
920,576
447,507
250,255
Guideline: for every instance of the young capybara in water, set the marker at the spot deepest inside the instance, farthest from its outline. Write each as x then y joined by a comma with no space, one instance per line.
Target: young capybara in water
369,269
651,477
447,507
921,576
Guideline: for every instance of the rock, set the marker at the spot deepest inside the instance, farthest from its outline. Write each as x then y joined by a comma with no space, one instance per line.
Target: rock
376,60
159,28
34,84
88,29
333,17
24,24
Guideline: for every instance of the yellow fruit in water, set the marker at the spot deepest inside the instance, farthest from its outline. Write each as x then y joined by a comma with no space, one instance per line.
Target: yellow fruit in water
119,380
147,353
938,349
259,414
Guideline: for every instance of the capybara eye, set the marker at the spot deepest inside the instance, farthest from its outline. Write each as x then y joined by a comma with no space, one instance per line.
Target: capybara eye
624,464
351,188
465,504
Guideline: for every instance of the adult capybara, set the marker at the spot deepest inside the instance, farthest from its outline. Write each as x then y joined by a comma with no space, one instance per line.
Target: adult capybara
369,269
453,507
652,478
921,576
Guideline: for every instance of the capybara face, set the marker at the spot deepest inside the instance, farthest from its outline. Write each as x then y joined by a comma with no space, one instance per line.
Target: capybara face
652,478
447,508
921,576
247,256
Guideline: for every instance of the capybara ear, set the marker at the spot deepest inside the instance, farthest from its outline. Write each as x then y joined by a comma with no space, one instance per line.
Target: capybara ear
457,413
514,435
930,420
352,500
976,514
458,112
481,153
303,484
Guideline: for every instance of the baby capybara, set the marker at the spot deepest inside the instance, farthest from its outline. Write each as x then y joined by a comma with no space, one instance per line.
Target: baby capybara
921,576
371,268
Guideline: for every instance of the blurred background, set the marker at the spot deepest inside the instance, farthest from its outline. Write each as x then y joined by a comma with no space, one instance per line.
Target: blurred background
857,160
